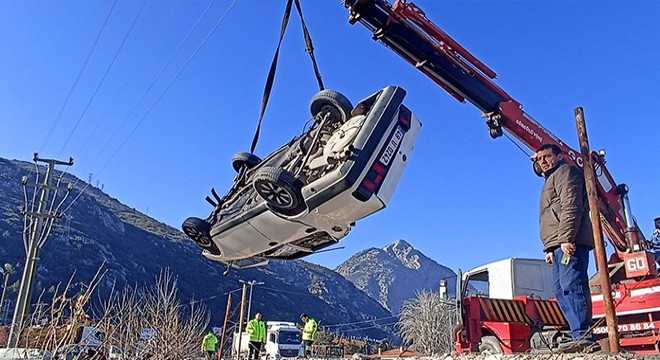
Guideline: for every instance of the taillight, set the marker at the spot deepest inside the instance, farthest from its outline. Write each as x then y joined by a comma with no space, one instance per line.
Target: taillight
371,182
404,117
376,174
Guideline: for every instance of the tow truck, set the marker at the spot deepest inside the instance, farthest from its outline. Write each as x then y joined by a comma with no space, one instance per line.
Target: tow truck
404,28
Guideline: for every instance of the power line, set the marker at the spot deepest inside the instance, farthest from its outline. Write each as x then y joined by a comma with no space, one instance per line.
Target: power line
170,84
215,296
361,322
288,292
107,70
131,77
75,83
147,91
368,327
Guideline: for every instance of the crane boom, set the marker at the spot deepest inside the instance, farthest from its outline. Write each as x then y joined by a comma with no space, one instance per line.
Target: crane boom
405,29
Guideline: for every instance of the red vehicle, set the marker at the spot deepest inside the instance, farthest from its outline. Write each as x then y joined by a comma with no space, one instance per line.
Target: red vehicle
405,29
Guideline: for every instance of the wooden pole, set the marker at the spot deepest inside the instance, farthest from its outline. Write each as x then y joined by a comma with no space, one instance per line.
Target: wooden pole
599,246
223,336
241,318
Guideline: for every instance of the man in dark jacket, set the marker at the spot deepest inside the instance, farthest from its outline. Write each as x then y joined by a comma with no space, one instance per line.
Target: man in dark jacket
567,237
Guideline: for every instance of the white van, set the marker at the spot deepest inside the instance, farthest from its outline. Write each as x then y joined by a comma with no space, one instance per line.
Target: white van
90,335
24,354
283,340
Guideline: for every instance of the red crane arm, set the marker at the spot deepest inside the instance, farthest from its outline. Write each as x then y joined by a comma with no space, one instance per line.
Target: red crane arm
404,28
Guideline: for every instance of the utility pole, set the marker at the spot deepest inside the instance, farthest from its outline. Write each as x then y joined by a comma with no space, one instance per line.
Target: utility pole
5,312
240,322
6,271
599,245
251,283
223,336
35,233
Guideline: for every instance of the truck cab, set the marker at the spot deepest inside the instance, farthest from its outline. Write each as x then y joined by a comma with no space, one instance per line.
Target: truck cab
509,278
283,340
505,307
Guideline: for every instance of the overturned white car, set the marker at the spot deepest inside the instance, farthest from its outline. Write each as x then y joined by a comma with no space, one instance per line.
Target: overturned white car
309,193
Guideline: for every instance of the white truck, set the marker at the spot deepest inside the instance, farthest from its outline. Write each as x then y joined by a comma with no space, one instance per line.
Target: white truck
283,340
508,278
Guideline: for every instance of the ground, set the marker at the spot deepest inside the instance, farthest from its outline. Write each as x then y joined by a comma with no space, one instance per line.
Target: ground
548,357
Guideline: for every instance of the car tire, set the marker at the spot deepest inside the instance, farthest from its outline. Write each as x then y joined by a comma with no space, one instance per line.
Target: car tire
279,188
338,105
490,346
246,159
199,231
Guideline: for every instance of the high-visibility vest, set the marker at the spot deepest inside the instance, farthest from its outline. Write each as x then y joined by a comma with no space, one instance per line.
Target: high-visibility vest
257,330
209,341
310,329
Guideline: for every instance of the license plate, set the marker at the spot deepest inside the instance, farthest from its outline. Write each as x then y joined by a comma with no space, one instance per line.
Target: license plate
392,146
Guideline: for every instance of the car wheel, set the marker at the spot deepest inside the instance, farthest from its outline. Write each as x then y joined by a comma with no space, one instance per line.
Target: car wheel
244,159
200,232
490,346
329,100
279,188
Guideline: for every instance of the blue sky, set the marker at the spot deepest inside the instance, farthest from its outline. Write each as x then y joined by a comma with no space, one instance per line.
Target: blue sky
156,119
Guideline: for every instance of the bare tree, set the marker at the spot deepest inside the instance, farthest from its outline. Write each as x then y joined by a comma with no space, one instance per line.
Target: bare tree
425,323
143,323
57,325
323,338
152,323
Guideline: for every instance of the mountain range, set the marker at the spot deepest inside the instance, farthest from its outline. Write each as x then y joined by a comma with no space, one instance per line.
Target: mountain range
395,274
360,298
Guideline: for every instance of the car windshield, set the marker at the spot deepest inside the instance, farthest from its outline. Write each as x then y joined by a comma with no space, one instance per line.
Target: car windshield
289,338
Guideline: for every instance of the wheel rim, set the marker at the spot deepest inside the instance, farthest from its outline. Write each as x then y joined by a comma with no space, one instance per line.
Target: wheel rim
275,194
238,165
198,236
335,114
488,351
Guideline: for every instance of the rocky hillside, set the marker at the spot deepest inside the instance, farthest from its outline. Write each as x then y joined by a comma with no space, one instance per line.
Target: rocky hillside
395,273
135,248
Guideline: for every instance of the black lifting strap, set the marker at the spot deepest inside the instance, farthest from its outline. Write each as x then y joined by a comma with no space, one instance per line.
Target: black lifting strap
273,66
309,47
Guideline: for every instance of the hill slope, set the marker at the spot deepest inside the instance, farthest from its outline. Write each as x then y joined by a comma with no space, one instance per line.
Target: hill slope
135,248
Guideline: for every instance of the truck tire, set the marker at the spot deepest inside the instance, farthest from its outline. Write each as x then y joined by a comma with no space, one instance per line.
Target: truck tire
490,346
